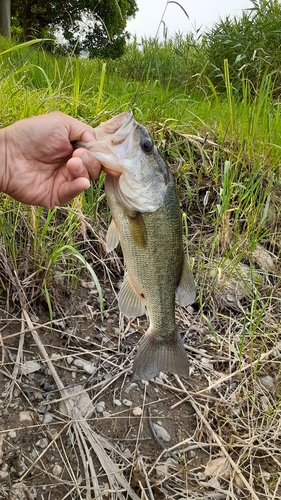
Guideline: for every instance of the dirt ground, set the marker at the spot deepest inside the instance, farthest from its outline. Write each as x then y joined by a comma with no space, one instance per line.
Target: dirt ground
74,425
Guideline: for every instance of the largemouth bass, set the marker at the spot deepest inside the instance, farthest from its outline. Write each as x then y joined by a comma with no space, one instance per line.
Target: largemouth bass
146,220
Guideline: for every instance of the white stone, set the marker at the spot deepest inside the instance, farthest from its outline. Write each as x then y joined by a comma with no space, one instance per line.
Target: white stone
267,381
79,403
30,367
127,402
25,417
137,411
130,387
117,402
57,470
162,433
88,367
47,418
4,476
100,407
42,443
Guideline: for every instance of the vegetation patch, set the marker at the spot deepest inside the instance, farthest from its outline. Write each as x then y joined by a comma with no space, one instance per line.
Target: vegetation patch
73,423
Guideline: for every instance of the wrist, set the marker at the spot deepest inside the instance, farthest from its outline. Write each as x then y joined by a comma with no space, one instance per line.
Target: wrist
3,160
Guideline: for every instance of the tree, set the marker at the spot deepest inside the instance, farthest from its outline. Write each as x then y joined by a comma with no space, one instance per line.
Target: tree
5,18
95,26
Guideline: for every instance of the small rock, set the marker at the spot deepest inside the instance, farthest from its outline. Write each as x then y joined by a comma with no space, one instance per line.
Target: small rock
207,363
55,356
30,367
88,367
12,434
100,407
162,433
42,443
69,359
33,455
47,418
267,381
18,491
264,403
26,417
17,392
88,284
217,467
191,454
57,470
117,402
79,402
106,414
105,355
130,387
137,411
4,476
127,402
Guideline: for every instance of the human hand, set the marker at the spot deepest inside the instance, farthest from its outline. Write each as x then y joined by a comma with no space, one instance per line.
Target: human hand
39,164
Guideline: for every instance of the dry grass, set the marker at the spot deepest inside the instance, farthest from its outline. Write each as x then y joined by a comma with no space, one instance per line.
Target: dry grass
224,421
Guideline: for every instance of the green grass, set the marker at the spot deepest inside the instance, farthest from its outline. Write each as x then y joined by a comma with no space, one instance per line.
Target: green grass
224,149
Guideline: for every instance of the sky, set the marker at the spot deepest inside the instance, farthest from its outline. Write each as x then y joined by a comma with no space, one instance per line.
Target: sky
201,13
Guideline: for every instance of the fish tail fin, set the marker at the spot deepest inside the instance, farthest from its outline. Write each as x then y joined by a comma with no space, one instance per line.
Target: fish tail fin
157,354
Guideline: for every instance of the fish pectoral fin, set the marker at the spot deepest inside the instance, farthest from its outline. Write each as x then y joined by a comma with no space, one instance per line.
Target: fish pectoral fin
158,354
129,302
185,292
112,237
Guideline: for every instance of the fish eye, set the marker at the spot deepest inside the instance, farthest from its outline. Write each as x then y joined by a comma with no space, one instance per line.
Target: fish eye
147,145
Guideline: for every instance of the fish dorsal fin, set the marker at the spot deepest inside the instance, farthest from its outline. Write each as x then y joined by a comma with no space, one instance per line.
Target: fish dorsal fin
186,293
112,237
129,301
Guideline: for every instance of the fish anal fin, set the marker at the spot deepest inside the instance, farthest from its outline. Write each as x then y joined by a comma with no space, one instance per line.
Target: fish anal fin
157,354
129,302
112,237
185,292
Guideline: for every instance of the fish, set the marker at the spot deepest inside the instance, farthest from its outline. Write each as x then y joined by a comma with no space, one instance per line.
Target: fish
147,222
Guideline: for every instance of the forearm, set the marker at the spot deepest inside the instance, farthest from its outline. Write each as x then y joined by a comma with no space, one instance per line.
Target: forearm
3,160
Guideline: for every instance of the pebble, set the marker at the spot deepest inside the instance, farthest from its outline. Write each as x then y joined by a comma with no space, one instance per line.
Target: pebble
267,381
55,356
127,402
4,476
47,418
162,470
69,360
88,284
30,367
42,443
100,407
12,434
88,367
57,470
130,387
137,411
25,417
79,402
117,402
17,392
162,433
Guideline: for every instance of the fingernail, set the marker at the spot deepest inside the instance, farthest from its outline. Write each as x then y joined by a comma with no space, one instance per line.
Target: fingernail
85,158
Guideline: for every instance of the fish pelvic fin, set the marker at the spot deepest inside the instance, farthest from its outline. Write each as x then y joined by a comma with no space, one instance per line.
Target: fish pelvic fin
185,292
157,354
129,302
112,237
